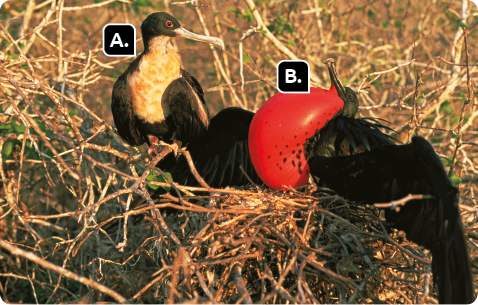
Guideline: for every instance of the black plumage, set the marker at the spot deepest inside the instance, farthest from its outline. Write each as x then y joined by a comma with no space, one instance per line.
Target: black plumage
379,171
219,154
344,134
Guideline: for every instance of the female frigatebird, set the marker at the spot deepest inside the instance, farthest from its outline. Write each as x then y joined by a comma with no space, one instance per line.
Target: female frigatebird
154,100
353,157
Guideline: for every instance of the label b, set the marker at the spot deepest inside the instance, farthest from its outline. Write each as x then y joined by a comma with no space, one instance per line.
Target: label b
293,76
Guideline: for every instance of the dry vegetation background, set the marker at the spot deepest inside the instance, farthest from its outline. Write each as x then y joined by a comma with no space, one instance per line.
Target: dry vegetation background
64,171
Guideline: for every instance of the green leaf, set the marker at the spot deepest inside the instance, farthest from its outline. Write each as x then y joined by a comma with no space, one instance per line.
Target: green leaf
290,28
455,180
447,108
73,112
371,14
32,154
249,16
7,148
43,127
155,176
18,128
6,127
447,161
246,58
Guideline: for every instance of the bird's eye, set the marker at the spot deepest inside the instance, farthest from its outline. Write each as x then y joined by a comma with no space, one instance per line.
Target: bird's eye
169,24
351,97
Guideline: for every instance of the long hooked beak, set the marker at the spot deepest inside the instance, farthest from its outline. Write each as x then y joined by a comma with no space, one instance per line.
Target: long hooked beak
337,86
182,32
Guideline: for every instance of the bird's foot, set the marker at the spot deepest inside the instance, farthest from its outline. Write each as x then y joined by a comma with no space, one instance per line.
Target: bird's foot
153,146
153,151
175,146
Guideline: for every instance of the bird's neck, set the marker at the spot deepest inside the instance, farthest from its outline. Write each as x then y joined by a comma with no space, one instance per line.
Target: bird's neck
350,110
160,48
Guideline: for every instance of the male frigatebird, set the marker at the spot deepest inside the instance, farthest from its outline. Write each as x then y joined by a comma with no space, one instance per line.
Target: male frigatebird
154,100
285,132
353,157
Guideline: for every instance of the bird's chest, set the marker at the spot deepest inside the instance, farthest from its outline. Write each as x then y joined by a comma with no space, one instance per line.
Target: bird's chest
148,83
332,142
328,144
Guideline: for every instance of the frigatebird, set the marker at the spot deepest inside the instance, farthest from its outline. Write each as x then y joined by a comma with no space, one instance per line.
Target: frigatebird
154,100
285,132
354,158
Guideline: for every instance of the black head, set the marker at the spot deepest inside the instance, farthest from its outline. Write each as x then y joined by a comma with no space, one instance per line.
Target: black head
345,93
351,103
158,24
163,24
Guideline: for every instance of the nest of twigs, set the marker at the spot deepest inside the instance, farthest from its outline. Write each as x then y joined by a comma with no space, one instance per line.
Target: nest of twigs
252,245
262,246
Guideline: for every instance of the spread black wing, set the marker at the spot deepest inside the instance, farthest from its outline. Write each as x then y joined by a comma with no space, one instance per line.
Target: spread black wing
188,108
219,154
392,172
123,115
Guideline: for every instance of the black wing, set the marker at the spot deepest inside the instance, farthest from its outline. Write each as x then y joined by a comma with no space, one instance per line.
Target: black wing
219,154
188,108
123,115
194,84
392,172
